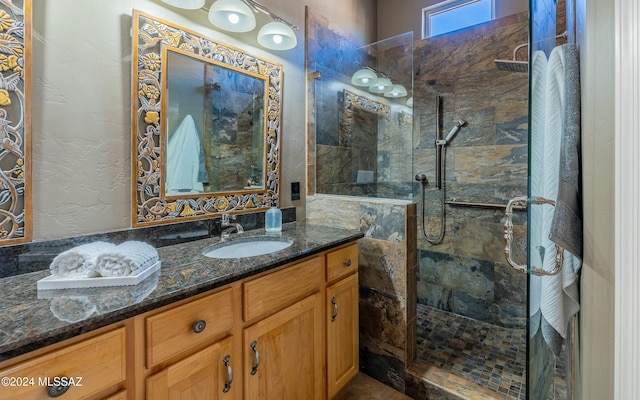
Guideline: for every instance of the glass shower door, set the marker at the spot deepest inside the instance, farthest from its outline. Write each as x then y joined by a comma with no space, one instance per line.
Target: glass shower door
551,270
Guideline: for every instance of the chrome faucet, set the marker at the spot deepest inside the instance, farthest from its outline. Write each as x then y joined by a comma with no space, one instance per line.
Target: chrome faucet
230,226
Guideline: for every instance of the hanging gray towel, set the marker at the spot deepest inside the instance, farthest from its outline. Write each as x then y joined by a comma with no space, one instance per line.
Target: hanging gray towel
566,227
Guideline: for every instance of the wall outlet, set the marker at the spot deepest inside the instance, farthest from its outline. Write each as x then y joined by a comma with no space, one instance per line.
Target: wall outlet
295,191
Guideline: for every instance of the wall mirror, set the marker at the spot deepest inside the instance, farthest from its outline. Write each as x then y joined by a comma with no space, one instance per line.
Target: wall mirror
206,126
15,123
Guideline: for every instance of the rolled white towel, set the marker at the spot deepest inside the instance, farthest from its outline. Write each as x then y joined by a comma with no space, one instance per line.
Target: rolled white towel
128,258
79,261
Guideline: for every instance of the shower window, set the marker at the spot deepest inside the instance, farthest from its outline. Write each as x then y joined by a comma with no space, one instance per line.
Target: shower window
449,16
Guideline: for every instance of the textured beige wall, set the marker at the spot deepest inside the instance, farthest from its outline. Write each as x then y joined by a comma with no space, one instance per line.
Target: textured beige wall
595,26
82,104
397,17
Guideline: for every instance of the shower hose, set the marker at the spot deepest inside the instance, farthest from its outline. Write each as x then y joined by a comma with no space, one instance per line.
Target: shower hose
443,163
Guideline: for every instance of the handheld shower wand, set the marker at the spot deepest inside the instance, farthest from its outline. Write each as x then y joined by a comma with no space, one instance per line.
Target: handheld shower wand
443,142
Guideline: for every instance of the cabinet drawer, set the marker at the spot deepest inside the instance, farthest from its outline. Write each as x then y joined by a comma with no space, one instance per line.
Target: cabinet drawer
342,262
206,374
264,295
90,366
173,331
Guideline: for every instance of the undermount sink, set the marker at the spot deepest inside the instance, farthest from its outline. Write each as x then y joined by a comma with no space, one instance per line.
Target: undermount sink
247,247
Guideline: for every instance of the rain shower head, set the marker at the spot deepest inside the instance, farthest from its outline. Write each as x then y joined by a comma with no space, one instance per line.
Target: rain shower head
512,66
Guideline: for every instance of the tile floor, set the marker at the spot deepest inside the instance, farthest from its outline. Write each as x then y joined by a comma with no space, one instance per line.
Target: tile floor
487,355
363,387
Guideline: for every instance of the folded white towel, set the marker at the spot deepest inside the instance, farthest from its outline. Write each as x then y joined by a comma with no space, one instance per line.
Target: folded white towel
79,261
128,258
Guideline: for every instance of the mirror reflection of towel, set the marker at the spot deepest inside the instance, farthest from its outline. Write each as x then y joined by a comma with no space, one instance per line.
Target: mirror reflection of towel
185,158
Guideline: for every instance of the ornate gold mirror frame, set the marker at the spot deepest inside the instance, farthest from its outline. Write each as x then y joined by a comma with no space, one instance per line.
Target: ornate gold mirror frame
15,123
150,206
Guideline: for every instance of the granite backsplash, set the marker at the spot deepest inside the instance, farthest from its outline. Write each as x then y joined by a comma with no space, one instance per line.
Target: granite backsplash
36,256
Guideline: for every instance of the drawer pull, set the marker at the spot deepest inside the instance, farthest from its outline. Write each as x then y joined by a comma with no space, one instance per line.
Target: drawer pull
227,363
57,390
199,326
256,364
335,309
347,262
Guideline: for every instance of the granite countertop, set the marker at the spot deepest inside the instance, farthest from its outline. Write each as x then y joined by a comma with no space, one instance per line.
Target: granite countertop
33,318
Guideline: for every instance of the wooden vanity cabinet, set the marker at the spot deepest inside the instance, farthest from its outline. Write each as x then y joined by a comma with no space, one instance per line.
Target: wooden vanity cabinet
342,327
289,333
283,354
90,365
283,335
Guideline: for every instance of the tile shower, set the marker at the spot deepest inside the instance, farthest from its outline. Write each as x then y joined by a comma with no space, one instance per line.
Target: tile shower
462,282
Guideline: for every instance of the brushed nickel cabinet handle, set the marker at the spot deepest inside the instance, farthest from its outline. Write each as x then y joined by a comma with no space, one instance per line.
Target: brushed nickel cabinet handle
256,364
227,363
335,309
199,326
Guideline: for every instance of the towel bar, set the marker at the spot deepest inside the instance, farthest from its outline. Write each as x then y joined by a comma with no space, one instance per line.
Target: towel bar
508,237
456,203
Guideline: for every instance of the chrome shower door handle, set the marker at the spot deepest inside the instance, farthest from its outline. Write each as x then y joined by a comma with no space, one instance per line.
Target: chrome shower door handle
508,237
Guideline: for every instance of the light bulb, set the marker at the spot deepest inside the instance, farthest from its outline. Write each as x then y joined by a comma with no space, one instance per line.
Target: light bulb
234,18
277,39
364,80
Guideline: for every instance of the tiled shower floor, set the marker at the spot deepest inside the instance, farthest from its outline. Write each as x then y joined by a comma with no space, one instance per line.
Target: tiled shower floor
488,355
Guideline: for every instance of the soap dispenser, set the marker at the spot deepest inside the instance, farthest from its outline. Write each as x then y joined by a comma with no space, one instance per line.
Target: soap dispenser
273,220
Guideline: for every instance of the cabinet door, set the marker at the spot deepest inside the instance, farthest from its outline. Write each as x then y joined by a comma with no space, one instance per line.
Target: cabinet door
342,333
205,375
283,354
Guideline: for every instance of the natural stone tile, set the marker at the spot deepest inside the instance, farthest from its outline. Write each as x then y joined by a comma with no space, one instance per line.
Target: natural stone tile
333,211
383,221
510,285
481,309
382,266
479,164
384,368
434,295
383,317
458,273
484,241
511,315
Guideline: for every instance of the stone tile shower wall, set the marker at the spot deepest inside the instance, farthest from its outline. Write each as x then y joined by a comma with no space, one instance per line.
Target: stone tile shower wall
486,162
387,269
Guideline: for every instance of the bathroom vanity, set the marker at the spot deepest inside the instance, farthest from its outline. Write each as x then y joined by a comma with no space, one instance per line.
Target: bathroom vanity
279,326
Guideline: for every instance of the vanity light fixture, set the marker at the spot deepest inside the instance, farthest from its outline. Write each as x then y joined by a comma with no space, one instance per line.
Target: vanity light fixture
238,16
364,77
382,85
396,91
276,35
232,16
